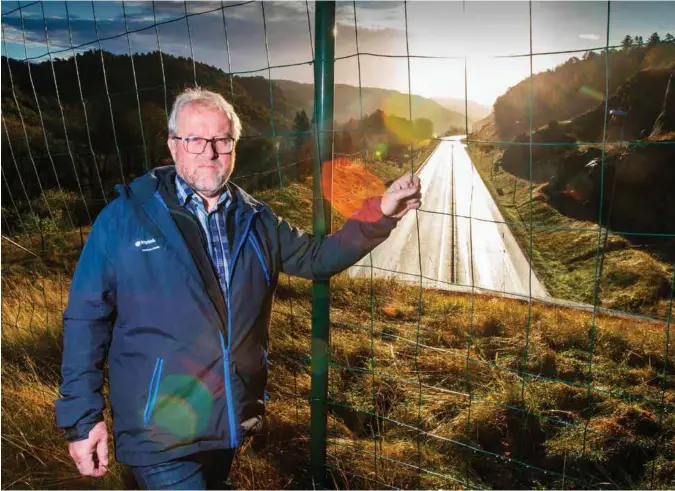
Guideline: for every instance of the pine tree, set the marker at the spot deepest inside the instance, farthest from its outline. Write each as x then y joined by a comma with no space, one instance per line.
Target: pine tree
301,125
303,150
654,39
627,42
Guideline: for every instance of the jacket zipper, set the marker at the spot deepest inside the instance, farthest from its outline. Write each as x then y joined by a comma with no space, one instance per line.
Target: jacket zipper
228,392
226,352
152,391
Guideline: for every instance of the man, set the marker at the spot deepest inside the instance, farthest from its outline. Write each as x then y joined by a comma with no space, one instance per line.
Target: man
175,285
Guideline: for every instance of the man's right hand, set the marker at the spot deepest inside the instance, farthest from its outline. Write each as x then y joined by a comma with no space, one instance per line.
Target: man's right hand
84,452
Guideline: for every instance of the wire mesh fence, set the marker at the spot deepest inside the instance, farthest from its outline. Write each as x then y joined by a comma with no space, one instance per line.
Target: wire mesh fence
456,366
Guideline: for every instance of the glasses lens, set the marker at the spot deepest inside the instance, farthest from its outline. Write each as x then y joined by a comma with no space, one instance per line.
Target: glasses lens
224,145
195,145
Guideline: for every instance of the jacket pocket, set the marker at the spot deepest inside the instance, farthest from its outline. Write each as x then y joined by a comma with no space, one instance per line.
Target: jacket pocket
255,382
258,251
153,388
250,377
253,377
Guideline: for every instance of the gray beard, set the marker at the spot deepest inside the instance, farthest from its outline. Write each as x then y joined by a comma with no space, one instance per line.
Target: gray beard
209,193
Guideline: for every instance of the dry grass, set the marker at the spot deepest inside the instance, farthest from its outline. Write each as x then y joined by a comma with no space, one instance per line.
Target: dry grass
416,382
427,385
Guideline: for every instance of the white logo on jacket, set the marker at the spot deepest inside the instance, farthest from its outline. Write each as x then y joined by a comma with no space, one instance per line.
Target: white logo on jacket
140,243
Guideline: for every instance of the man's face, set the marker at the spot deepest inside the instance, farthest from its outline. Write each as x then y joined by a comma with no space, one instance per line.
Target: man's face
206,173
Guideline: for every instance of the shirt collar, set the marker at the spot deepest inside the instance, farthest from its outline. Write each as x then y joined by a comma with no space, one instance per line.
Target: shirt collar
185,193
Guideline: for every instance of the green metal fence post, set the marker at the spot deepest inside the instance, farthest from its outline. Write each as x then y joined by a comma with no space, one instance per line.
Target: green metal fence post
323,147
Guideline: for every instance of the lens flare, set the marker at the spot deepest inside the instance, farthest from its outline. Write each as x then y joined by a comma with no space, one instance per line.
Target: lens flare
591,92
399,127
380,149
183,406
351,183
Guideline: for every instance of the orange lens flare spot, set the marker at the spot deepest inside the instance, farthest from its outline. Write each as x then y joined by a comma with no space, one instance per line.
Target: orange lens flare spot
346,183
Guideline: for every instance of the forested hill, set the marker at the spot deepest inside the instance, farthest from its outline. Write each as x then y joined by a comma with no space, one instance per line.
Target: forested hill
578,85
87,123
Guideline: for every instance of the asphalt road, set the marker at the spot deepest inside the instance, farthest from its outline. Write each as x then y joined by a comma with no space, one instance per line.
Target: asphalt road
457,240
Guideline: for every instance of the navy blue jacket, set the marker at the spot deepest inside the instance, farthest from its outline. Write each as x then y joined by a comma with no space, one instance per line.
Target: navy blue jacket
187,370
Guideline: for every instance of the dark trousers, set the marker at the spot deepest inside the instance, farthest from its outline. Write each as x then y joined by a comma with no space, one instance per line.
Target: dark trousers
204,470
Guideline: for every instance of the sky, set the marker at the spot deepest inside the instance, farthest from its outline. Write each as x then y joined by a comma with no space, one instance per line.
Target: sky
487,34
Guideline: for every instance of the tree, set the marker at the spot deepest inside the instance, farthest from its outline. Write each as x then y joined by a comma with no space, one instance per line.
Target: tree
638,41
346,143
627,42
154,126
302,144
654,39
669,38
301,125
375,123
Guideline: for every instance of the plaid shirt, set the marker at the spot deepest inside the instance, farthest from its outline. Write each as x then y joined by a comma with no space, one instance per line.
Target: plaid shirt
213,224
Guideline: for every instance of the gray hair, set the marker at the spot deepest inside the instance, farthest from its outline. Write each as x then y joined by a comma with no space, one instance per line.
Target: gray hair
208,99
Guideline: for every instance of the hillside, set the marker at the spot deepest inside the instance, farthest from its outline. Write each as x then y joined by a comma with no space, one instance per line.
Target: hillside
568,188
251,94
122,132
642,97
348,106
574,87
638,179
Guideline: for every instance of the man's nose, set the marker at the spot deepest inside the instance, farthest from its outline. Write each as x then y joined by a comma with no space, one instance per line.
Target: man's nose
210,150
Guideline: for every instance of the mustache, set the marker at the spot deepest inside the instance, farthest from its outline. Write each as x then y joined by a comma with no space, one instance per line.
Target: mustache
215,163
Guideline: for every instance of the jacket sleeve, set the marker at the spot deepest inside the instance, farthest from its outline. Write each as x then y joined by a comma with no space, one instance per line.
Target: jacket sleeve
87,326
302,254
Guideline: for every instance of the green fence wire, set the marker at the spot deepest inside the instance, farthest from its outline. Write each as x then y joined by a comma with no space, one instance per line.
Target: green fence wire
455,386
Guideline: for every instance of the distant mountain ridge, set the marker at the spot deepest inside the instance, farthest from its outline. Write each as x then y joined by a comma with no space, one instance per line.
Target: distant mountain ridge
352,102
476,111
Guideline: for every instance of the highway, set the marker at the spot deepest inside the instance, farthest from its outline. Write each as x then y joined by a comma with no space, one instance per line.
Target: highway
457,240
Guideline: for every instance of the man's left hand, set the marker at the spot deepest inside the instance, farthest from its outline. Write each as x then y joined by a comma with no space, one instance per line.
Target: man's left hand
403,195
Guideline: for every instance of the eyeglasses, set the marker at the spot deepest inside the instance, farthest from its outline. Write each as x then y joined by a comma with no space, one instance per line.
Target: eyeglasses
197,145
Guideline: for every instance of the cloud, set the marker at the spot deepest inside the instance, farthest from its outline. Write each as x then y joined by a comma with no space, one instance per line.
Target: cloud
592,37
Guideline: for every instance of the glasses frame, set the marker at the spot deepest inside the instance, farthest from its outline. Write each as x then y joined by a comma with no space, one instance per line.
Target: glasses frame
212,141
